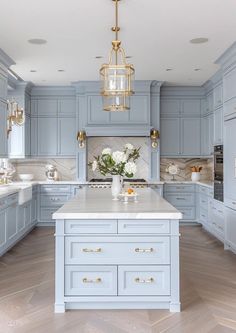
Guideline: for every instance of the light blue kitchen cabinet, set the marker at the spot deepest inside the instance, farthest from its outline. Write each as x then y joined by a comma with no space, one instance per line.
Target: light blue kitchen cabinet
66,107
218,95
230,229
230,160
190,134
3,130
12,221
34,136
47,107
209,103
139,109
3,85
230,109
191,107
3,219
170,107
207,135
218,126
47,136
229,82
67,136
96,115
170,137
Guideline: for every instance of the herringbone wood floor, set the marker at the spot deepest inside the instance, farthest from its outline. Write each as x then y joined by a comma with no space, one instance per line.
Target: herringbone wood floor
208,292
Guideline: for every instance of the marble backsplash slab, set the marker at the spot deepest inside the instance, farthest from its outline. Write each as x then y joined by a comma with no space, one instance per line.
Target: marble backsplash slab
184,165
67,167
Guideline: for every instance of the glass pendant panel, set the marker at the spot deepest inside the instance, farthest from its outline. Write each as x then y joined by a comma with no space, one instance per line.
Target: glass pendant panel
116,103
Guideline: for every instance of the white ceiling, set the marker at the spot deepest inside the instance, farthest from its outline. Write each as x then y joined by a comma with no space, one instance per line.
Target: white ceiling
155,32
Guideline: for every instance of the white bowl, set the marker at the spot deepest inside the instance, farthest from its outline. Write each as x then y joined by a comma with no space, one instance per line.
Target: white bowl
26,176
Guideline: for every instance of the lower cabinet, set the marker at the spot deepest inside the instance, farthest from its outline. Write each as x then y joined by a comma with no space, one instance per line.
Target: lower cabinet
230,229
15,220
183,197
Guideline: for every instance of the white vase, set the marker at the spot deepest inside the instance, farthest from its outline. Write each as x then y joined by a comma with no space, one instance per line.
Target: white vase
195,176
116,186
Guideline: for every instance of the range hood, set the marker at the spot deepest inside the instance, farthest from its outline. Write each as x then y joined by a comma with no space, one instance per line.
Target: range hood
143,115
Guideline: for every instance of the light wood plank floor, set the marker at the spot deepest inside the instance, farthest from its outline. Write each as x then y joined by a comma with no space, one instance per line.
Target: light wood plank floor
208,292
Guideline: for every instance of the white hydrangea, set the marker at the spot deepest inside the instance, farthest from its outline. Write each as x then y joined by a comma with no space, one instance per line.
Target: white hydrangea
119,156
106,151
94,165
129,146
130,168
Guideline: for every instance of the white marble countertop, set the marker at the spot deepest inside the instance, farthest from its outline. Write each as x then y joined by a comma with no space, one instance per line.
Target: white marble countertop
98,204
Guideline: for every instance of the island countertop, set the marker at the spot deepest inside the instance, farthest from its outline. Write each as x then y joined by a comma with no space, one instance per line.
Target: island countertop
98,204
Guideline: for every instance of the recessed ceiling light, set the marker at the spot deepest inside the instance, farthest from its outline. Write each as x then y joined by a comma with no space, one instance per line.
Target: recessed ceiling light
37,41
61,70
169,69
33,71
197,69
200,40
98,57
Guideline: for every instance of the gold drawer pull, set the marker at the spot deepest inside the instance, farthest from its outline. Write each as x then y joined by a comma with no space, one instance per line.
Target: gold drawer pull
144,250
97,280
92,250
138,280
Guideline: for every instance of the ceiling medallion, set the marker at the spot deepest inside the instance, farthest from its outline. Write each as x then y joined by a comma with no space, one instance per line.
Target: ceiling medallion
117,75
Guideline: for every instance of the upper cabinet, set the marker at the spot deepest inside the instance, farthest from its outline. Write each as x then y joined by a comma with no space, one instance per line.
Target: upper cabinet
229,84
53,122
218,95
137,121
181,110
5,63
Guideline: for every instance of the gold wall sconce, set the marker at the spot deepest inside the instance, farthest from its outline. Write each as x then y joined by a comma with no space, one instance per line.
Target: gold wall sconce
154,136
81,138
16,115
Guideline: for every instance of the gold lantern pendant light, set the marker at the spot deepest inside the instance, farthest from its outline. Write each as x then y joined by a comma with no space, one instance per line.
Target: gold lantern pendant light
117,76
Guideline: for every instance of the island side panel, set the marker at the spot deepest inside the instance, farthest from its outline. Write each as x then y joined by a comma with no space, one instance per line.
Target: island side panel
175,305
59,267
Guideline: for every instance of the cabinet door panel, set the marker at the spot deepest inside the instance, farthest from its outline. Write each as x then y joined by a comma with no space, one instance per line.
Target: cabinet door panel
170,136
171,107
230,85
34,137
67,107
218,96
20,218
2,227
230,226
3,129
47,107
191,107
218,126
230,160
3,87
191,133
66,136
96,114
139,109
47,136
11,222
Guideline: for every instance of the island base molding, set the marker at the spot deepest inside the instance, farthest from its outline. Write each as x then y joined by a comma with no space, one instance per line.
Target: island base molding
110,303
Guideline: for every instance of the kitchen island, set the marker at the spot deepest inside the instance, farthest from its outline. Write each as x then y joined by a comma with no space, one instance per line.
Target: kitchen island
112,255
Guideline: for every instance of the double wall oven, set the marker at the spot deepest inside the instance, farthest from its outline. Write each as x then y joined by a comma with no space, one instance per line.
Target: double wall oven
218,173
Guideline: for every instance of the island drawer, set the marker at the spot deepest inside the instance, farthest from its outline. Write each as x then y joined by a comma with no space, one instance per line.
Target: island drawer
179,188
179,200
91,227
144,280
90,280
117,250
143,226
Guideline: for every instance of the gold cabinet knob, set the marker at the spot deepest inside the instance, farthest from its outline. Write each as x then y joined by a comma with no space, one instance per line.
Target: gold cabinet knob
144,250
138,280
92,250
97,280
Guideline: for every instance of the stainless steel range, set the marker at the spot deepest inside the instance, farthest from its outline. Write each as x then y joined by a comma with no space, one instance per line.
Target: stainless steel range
106,183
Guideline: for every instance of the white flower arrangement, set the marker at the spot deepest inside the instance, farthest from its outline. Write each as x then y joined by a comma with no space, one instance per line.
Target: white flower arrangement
118,162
